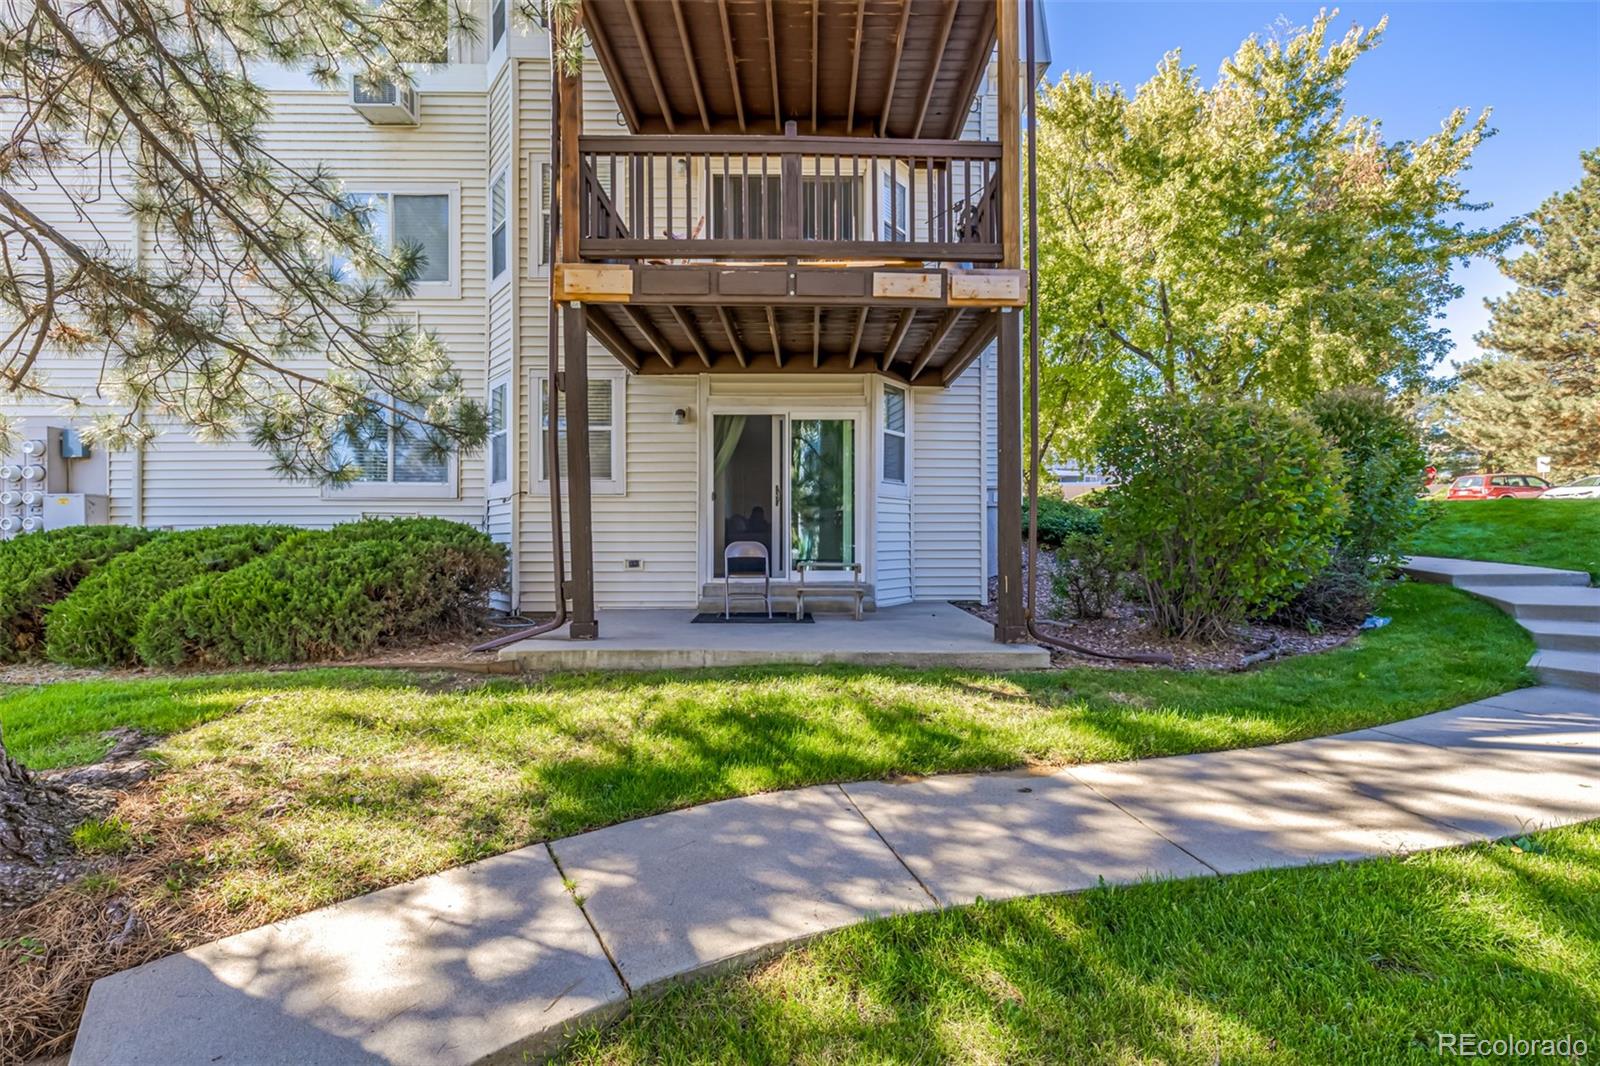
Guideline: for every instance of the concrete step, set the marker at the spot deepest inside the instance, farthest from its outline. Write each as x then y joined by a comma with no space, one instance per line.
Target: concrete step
1470,571
1558,635
1555,603
1573,669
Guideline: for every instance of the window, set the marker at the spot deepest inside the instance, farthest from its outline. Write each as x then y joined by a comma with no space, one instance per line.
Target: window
497,434
892,207
394,456
894,435
606,395
497,23
539,261
497,226
422,220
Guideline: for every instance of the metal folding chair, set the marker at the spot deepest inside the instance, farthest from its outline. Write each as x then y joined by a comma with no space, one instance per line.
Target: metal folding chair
745,550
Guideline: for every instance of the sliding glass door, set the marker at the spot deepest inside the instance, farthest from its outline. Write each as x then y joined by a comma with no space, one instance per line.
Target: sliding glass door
822,491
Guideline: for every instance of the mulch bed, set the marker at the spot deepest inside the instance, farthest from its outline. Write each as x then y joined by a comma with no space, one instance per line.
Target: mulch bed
1124,631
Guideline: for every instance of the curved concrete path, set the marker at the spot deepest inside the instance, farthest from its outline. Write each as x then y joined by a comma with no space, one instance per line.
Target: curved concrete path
496,961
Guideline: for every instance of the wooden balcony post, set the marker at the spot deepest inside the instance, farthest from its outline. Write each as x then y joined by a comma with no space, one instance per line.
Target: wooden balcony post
790,189
1007,31
1010,623
580,518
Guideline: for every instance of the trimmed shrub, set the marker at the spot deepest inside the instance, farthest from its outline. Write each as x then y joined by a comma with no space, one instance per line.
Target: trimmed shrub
1341,593
1383,471
1059,519
97,624
37,569
1224,509
328,594
1086,575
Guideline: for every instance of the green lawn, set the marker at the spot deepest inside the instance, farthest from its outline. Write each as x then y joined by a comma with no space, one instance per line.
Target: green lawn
1559,533
1363,963
374,777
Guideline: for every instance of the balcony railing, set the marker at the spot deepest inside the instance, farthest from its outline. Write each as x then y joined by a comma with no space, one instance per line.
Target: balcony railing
789,198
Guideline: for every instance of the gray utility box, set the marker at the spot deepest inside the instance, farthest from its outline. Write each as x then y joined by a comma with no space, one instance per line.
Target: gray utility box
65,509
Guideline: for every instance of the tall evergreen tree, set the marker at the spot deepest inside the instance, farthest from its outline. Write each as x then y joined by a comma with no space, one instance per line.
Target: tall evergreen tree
1538,391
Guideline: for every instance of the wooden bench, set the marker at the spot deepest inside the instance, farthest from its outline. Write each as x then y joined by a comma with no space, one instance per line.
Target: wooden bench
808,587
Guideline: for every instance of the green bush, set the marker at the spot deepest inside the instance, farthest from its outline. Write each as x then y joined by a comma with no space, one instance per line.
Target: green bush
1059,519
1224,509
37,569
97,624
1383,471
328,594
1087,571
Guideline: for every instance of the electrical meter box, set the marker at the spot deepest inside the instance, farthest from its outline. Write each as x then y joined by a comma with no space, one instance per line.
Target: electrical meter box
63,509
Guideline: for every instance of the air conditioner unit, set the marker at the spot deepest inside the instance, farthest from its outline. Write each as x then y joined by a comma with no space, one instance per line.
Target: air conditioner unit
383,103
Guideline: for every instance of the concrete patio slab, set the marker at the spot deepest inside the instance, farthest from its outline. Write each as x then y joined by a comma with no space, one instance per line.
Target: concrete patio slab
922,635
484,962
1246,810
693,890
1014,834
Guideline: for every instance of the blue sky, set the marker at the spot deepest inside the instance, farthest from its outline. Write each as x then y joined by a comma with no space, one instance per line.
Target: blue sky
1537,64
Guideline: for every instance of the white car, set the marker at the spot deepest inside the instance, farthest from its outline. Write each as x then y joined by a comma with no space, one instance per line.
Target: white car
1585,488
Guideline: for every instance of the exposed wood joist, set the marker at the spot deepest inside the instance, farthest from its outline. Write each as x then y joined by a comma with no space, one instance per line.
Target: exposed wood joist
631,6
894,69
931,349
937,58
976,66
772,328
897,338
690,330
607,333
733,336
855,339
608,63
855,68
733,65
772,60
816,336
971,348
651,334
694,69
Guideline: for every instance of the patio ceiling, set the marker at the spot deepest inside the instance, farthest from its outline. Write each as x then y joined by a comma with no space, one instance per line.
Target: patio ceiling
885,68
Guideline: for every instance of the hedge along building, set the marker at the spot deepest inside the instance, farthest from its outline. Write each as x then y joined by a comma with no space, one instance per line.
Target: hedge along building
792,243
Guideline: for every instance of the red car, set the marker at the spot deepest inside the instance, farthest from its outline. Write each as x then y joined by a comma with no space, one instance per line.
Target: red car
1498,487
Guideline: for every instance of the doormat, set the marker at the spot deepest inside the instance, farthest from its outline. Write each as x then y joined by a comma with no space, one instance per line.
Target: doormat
750,618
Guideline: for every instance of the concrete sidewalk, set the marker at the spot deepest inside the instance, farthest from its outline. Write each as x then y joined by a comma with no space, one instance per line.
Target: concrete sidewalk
497,960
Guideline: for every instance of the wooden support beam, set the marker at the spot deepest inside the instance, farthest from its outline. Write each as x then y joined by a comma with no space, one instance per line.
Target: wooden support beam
772,328
855,68
938,61
814,52
816,336
855,339
929,350
969,86
613,72
696,341
1011,624
651,334
894,68
772,62
580,512
970,348
1010,74
688,59
569,175
607,333
897,338
733,64
650,64
734,341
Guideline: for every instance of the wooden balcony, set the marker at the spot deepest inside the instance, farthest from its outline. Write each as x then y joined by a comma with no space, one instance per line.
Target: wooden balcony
789,199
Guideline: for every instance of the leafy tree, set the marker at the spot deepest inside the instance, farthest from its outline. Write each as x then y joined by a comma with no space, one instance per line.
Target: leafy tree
1246,240
1537,392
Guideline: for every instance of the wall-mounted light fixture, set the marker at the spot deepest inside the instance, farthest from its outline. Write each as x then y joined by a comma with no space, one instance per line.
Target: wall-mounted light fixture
680,416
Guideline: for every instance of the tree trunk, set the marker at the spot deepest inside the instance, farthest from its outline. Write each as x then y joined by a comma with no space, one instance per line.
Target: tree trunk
33,814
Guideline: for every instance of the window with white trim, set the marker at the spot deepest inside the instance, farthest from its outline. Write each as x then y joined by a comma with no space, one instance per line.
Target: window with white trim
499,248
499,433
894,435
416,217
391,454
539,248
606,435
894,210
497,22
